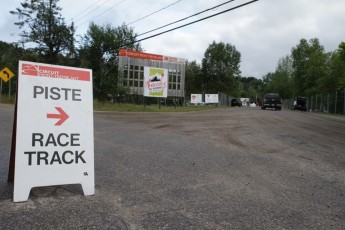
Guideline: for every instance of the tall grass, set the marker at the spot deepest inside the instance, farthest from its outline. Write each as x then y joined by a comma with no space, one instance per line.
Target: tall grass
7,100
125,107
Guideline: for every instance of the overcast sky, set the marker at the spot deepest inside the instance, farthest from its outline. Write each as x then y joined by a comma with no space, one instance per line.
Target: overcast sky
262,32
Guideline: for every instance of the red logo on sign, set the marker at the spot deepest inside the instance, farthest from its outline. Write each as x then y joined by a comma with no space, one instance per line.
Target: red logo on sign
55,72
29,69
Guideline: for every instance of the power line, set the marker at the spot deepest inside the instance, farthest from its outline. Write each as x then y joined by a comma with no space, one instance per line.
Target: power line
180,20
190,23
154,12
118,3
84,13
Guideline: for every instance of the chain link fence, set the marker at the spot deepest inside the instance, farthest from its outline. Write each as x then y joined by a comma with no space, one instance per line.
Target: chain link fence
225,99
332,102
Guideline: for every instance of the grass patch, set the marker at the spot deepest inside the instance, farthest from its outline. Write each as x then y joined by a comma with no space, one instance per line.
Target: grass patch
5,99
124,107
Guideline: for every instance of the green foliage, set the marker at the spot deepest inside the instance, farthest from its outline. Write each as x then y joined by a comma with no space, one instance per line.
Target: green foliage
339,66
220,68
281,80
99,52
309,63
9,56
193,82
341,51
43,25
308,70
252,88
124,107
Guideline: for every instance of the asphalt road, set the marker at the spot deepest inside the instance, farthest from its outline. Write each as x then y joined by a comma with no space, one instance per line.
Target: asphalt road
236,168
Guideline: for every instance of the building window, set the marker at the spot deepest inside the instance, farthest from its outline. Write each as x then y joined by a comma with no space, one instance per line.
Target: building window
131,75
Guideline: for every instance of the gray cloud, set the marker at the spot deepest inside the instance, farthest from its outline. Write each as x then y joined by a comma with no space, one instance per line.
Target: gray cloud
263,32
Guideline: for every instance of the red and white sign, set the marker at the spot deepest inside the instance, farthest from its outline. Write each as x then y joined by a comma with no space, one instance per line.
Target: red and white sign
149,56
54,142
141,55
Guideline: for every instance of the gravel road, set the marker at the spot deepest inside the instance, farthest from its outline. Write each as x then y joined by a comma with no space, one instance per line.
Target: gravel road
235,168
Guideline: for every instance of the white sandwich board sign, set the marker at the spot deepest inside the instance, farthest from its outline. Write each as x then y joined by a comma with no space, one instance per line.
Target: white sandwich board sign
54,141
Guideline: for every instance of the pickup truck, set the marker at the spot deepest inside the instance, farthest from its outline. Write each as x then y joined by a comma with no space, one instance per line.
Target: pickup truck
271,100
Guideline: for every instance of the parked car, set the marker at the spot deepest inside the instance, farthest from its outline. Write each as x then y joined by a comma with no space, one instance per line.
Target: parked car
301,104
236,102
272,100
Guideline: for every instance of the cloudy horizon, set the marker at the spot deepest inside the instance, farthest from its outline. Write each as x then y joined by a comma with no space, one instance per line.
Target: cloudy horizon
263,32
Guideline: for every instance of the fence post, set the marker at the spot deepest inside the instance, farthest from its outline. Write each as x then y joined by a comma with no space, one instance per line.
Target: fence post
327,102
344,104
335,105
0,89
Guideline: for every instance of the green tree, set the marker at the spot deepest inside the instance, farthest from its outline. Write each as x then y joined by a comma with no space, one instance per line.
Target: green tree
99,52
221,68
193,82
252,88
281,80
309,64
339,68
335,77
10,53
329,82
341,51
43,25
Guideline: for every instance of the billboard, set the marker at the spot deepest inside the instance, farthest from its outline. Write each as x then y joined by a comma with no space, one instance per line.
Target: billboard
211,98
196,98
155,82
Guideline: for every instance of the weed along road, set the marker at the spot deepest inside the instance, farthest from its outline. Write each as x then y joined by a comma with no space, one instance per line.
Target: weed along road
235,168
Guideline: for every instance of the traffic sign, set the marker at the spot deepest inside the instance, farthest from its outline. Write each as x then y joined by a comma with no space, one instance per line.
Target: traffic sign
54,142
6,74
